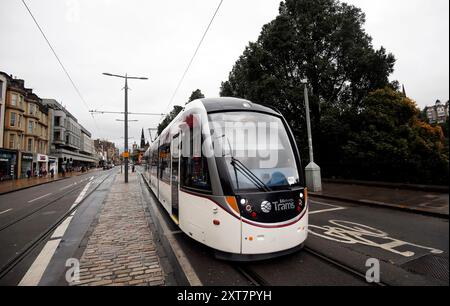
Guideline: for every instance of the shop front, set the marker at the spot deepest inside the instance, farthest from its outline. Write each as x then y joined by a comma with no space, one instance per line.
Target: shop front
40,164
26,164
53,164
8,164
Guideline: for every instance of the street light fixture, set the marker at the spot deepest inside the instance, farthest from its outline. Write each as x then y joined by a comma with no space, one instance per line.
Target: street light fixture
126,77
312,171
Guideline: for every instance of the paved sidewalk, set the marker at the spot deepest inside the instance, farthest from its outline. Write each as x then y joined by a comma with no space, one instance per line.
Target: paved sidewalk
15,185
433,203
121,250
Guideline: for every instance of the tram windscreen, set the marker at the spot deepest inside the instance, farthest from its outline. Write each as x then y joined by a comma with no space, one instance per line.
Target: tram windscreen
256,149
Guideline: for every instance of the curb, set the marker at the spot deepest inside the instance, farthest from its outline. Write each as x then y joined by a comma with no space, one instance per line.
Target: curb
184,273
415,187
382,204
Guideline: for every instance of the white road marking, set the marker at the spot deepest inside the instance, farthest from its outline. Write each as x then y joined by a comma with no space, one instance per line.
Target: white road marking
45,195
59,232
37,269
68,186
34,274
5,211
81,195
335,208
354,233
326,204
326,210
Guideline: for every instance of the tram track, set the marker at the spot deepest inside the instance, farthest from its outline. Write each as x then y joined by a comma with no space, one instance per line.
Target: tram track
29,247
340,265
255,279
251,276
36,210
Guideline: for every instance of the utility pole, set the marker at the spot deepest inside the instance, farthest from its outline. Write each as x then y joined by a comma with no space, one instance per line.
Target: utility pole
126,153
313,176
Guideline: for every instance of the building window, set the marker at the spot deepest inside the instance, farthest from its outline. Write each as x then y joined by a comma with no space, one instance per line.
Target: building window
1,90
30,145
32,109
12,141
30,127
13,99
12,121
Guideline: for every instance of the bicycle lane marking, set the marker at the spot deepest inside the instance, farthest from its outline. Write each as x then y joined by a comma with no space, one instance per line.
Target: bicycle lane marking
354,233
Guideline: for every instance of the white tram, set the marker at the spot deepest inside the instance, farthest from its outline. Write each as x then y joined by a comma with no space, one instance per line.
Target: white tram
228,172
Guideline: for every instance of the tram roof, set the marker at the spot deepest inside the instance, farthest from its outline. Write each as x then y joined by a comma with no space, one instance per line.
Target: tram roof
234,104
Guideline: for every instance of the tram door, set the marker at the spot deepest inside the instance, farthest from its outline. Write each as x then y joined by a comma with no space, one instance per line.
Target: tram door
175,174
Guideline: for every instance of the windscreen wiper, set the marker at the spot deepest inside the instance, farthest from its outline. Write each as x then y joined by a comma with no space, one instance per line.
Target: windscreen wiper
238,165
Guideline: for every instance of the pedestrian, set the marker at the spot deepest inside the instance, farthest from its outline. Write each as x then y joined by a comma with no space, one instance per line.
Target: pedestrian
29,173
52,172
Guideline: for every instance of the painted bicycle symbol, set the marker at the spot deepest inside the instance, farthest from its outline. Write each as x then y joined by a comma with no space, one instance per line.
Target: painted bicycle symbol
354,233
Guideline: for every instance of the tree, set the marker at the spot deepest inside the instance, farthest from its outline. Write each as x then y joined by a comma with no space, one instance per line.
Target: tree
363,125
386,140
168,119
197,94
322,41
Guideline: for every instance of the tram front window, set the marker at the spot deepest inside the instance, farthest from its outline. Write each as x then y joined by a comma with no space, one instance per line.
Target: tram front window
256,149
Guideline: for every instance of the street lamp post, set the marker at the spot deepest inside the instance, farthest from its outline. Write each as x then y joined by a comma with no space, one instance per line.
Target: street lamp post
313,176
126,77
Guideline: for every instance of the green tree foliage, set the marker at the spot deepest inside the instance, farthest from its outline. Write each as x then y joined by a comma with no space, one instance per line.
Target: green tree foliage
319,40
384,140
197,94
172,115
355,126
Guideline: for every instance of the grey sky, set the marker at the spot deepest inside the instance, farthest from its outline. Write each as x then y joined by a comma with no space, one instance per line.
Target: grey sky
157,39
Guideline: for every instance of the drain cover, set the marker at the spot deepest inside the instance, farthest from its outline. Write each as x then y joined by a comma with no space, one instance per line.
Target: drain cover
435,266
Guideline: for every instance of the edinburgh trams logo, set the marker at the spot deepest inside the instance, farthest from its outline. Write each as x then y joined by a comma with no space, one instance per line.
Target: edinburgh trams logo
266,207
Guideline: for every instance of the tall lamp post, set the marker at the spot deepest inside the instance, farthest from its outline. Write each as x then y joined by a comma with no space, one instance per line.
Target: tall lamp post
126,153
313,176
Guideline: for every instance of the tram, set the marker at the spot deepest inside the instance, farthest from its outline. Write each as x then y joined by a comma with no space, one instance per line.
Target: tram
228,172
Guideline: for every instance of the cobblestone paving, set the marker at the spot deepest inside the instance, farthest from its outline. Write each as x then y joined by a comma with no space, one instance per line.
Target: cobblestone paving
121,251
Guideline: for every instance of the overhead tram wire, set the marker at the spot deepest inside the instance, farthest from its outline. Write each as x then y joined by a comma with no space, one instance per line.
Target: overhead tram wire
59,61
193,57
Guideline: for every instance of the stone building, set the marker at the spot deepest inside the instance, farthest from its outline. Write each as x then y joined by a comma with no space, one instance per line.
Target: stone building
25,132
437,113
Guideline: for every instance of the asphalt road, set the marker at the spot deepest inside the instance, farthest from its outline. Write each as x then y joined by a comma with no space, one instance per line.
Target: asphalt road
412,249
28,213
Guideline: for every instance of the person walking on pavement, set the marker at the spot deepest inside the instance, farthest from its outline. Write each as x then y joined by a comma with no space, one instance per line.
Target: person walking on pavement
52,172
28,173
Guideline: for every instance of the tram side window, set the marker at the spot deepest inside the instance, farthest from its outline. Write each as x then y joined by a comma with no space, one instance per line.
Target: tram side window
154,162
164,158
194,172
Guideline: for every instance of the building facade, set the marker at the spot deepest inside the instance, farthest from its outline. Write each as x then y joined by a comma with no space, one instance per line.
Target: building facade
3,82
107,150
437,113
71,143
25,146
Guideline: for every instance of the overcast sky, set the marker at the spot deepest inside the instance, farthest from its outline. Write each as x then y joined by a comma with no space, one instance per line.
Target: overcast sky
157,38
